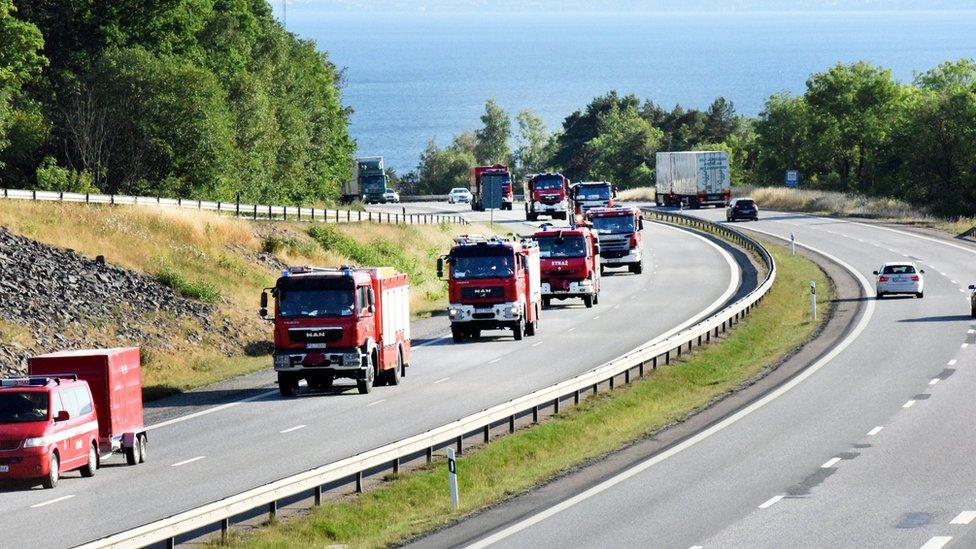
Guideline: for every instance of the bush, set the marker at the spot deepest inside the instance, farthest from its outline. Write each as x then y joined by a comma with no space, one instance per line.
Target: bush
202,291
51,177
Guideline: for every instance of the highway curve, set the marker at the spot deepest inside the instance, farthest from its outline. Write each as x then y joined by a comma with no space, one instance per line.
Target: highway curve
200,458
868,448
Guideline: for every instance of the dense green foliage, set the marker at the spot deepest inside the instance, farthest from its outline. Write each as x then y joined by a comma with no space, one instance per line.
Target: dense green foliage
191,98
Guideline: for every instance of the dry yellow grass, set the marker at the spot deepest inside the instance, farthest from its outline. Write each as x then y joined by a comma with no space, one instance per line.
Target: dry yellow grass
640,194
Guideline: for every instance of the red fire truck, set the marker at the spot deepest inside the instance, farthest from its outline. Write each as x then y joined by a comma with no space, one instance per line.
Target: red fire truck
621,243
570,264
591,194
493,284
340,323
74,409
545,194
481,175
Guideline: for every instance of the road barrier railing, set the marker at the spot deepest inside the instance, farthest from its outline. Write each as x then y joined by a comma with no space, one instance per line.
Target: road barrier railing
238,209
390,457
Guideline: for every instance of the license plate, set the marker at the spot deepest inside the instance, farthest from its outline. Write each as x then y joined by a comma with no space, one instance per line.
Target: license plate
316,345
4,468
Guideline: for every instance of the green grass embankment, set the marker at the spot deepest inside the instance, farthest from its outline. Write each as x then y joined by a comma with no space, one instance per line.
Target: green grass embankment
418,502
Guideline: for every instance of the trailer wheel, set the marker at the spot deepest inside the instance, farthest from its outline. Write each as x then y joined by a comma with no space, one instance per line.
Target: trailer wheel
287,384
365,385
394,376
517,330
133,454
89,469
54,475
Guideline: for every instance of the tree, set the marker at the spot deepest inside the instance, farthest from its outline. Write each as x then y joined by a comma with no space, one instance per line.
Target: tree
572,155
492,138
535,144
624,150
783,139
440,170
20,63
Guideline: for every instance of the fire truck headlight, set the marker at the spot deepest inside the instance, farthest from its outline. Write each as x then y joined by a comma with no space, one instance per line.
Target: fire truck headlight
351,359
514,310
452,312
36,442
282,361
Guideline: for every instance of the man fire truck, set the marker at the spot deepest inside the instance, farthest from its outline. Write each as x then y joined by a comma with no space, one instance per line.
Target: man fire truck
330,323
545,194
570,264
591,194
492,284
621,243
482,176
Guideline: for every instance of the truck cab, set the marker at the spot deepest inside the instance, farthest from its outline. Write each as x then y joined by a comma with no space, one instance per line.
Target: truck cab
570,264
483,177
339,323
592,194
620,230
545,194
492,284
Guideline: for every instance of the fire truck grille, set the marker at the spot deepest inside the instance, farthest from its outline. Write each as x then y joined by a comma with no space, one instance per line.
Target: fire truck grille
483,293
549,199
9,444
319,335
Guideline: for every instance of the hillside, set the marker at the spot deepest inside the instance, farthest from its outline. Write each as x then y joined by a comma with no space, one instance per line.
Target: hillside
183,285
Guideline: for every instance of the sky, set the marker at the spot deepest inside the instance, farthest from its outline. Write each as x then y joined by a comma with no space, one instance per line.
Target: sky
448,6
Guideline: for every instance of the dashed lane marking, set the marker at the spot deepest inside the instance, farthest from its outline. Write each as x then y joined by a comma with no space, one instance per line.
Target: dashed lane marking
770,502
952,362
49,502
937,542
935,380
908,404
875,431
291,429
191,460
380,401
441,380
964,518
830,463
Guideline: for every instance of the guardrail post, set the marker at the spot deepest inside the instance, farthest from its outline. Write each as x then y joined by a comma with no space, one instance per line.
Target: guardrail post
111,198
611,382
596,388
218,206
627,376
286,213
460,444
679,349
511,423
555,405
86,195
318,495
359,482
667,357
34,194
348,215
370,216
396,466
237,205
224,527
199,204
360,215
61,196
487,433
273,510
576,397
170,543
179,201
299,212
5,195
337,215
430,454
640,369
535,414
313,213
255,211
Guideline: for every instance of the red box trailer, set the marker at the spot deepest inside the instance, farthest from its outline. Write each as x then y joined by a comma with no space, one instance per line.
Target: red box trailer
114,377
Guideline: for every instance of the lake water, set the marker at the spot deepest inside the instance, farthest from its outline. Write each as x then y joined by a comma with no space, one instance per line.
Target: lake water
413,77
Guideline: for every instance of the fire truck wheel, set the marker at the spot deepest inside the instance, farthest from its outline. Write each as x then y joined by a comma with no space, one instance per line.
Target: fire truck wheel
596,298
517,330
546,302
54,475
531,327
457,334
603,270
588,301
637,269
287,384
365,385
89,469
143,442
394,376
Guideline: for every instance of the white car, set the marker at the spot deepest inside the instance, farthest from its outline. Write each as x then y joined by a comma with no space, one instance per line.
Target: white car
459,194
391,196
900,278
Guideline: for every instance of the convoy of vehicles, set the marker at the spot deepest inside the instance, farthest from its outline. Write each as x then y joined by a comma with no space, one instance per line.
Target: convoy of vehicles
546,194
591,194
484,178
492,284
74,409
570,260
693,179
459,194
369,183
900,278
742,208
620,231
340,323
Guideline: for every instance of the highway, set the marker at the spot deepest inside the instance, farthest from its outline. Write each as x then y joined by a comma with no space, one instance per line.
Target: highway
213,453
870,447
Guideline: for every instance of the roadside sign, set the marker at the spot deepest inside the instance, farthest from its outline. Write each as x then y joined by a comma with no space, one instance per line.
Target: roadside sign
792,179
492,197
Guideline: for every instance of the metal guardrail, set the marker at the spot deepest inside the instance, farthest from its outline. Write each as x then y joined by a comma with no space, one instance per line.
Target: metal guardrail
237,209
390,456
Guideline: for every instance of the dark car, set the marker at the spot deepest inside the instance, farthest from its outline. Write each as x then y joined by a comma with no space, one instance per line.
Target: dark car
742,208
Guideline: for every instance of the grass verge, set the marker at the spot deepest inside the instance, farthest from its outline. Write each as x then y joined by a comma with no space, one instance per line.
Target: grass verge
414,503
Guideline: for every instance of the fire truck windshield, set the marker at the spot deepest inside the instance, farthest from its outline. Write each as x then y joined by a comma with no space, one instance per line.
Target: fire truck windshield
569,246
614,224
316,303
601,192
482,266
548,184
22,407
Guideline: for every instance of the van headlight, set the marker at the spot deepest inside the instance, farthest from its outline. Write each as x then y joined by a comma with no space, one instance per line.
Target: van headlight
36,442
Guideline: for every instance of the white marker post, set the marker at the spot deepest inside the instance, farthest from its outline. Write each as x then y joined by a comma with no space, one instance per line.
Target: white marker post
452,476
792,244
813,299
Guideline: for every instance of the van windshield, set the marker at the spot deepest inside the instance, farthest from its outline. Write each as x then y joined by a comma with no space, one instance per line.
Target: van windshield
23,407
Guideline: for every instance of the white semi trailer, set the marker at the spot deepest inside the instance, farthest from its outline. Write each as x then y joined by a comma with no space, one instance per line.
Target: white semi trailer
693,179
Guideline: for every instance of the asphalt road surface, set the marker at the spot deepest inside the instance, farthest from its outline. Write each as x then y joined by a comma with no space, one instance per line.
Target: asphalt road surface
216,452
871,447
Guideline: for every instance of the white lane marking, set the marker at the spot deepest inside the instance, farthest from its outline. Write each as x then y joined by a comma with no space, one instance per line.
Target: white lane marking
596,317
431,342
210,410
964,518
494,361
191,460
954,282
971,331
934,381
875,431
55,500
696,547
380,401
571,329
964,345
770,502
961,290
290,429
441,380
908,404
537,343
937,542
725,423
617,306
952,362
830,463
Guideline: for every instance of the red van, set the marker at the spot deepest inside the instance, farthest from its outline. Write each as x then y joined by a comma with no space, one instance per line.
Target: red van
75,408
